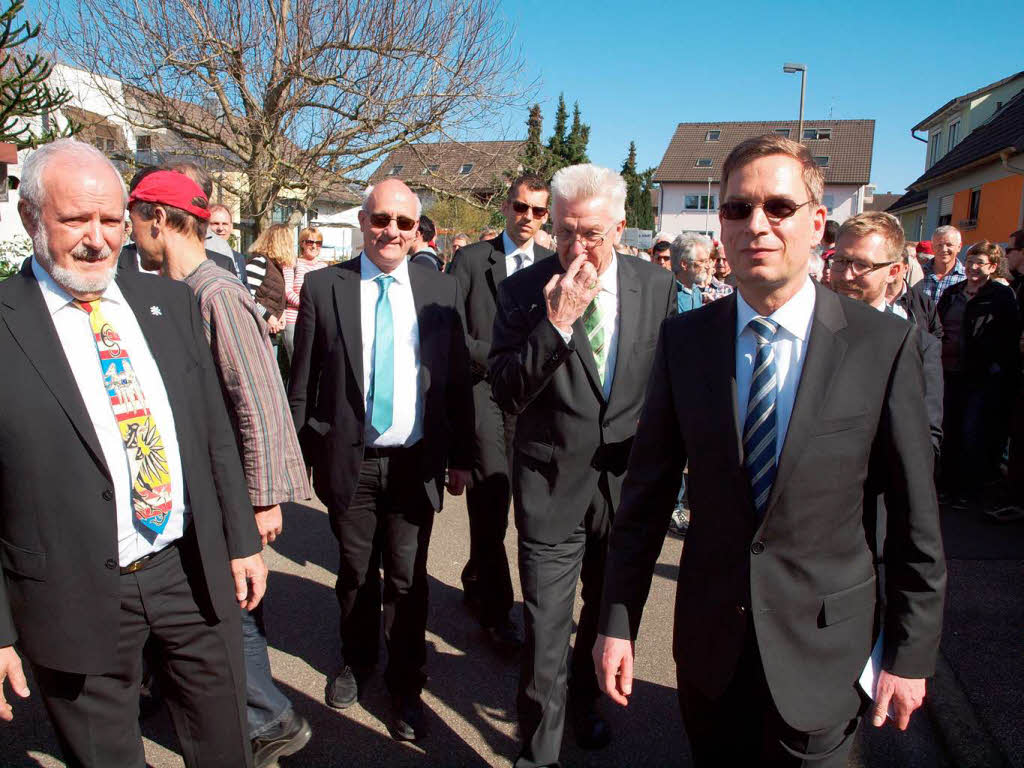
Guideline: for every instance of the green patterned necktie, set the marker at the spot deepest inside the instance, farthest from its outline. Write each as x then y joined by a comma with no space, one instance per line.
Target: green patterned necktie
593,323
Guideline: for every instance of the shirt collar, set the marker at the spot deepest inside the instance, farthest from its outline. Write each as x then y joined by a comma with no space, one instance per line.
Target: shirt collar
958,269
57,298
610,277
369,271
511,249
794,316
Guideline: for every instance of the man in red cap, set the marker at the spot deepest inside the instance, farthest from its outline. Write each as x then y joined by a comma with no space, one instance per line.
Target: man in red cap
169,213
124,517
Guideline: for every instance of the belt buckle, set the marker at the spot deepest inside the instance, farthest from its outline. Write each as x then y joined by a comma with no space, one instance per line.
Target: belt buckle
135,565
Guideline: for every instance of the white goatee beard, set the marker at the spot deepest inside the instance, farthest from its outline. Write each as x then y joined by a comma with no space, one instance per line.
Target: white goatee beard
71,281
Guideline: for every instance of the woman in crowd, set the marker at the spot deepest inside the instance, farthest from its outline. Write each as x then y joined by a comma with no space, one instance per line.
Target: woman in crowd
981,364
310,243
269,256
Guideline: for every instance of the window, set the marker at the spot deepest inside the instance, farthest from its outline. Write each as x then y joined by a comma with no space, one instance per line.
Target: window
700,203
817,134
824,134
144,143
712,135
703,162
430,169
936,146
466,168
975,205
821,161
829,201
783,132
395,170
954,135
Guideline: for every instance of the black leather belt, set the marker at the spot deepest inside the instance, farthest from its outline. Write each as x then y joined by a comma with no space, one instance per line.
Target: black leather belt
146,560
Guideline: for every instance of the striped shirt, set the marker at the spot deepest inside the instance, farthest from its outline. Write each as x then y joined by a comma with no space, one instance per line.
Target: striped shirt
249,377
293,279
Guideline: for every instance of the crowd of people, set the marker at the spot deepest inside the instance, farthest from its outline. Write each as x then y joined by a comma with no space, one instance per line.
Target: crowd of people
810,382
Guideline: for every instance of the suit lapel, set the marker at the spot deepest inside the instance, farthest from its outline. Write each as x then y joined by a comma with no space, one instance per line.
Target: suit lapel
825,351
629,320
347,298
720,362
427,326
497,271
30,324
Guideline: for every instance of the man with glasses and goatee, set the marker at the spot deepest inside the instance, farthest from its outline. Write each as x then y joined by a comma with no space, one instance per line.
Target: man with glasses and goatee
480,268
573,341
810,405
381,398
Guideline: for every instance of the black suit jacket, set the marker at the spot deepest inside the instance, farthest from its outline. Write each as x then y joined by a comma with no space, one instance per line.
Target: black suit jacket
480,269
58,527
921,309
805,576
129,260
326,382
566,432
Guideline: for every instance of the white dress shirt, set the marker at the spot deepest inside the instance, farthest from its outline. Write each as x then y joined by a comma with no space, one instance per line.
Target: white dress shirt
76,337
608,303
407,401
790,347
511,249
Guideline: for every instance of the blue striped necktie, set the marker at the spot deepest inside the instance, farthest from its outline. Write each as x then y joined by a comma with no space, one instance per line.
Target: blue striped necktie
759,429
382,382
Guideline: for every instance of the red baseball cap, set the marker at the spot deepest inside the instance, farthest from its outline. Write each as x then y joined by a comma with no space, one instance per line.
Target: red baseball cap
925,246
170,188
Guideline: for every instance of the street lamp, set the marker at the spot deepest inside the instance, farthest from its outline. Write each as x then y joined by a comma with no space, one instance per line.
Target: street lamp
789,68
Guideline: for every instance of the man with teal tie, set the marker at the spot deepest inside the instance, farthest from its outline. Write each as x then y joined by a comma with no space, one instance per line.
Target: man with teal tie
381,397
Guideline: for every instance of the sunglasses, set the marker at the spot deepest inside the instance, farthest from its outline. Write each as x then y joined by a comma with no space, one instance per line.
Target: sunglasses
381,221
312,242
775,208
539,212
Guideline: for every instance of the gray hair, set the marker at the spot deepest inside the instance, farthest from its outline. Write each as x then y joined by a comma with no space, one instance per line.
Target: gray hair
946,229
585,182
369,191
684,248
31,190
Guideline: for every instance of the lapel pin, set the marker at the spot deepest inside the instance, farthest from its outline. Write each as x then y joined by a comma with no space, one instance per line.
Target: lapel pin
156,311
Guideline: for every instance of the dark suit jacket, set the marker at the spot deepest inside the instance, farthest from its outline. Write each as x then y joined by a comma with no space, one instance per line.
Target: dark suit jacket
58,527
129,260
480,268
805,575
565,428
326,385
921,310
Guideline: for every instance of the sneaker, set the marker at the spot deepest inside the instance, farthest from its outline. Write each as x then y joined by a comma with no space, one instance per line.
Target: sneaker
294,735
343,690
680,521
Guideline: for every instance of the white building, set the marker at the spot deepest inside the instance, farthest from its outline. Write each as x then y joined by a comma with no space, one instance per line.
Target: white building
690,170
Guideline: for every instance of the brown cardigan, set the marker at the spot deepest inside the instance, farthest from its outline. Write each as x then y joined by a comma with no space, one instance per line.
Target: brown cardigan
268,292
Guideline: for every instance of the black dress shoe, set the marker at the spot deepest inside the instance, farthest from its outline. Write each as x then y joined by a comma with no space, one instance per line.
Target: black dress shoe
504,637
592,731
407,720
343,690
293,736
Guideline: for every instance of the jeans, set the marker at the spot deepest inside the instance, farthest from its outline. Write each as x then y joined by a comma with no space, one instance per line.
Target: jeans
267,709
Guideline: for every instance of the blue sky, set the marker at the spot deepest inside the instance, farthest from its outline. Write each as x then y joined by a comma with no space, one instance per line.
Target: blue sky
640,67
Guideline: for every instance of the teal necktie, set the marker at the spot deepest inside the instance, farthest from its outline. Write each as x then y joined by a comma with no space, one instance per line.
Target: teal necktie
382,381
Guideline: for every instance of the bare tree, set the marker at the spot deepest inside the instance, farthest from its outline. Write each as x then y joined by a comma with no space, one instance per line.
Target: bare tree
296,95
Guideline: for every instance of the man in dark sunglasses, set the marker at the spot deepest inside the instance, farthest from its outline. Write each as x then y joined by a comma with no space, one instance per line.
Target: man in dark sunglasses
372,334
810,405
480,268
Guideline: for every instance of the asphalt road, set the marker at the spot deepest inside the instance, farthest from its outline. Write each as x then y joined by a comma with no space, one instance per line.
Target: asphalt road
470,696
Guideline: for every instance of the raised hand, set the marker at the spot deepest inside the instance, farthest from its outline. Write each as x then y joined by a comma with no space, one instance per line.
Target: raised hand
568,296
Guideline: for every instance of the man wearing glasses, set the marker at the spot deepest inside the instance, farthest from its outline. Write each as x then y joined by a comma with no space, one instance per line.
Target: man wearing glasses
811,405
572,347
381,398
480,268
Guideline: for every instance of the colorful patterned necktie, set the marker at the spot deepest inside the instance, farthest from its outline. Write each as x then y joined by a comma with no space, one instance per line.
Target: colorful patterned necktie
382,383
759,429
147,460
593,323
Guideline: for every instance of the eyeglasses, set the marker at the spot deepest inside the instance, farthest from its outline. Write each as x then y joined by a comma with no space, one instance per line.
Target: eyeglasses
317,243
661,257
588,240
381,221
775,208
858,268
977,263
539,212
